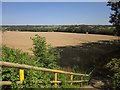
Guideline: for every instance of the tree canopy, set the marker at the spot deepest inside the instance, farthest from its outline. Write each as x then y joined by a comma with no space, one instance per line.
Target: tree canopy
115,16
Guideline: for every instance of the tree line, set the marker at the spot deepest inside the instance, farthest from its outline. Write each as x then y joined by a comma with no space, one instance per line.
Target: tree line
92,29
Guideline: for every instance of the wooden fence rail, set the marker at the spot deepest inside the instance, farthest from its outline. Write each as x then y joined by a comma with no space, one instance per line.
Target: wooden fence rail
23,66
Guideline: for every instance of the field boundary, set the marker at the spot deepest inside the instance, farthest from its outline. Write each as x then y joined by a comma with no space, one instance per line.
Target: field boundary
22,67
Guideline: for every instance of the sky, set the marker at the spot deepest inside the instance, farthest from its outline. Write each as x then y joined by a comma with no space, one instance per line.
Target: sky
54,0
55,13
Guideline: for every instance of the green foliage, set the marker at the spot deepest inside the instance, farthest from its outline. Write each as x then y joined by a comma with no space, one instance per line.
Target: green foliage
114,66
44,56
15,56
67,85
64,78
92,29
115,16
116,80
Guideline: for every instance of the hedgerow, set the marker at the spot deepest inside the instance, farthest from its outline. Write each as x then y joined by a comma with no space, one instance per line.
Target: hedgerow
92,29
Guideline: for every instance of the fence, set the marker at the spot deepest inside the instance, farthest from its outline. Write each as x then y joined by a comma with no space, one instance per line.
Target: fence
22,67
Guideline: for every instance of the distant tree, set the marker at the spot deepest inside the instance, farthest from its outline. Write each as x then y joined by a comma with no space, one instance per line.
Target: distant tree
115,16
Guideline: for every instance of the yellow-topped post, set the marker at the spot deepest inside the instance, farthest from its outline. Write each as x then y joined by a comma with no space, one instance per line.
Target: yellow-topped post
21,73
55,78
71,78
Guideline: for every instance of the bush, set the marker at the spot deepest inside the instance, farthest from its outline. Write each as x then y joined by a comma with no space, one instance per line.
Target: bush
114,66
12,74
45,56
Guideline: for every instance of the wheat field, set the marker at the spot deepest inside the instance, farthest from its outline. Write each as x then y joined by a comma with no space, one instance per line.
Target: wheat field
21,40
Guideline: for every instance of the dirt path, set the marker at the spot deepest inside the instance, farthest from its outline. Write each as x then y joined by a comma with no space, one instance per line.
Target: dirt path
22,40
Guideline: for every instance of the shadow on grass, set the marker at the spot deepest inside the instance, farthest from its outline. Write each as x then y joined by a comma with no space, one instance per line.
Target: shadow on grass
89,56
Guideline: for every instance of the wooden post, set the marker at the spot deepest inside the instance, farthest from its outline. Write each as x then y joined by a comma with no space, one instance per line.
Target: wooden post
21,73
81,82
87,81
55,78
71,78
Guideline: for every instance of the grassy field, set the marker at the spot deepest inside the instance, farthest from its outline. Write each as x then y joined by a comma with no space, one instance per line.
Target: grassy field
21,40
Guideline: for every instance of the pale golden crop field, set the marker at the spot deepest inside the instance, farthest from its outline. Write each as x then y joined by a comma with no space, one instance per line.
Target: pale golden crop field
21,40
